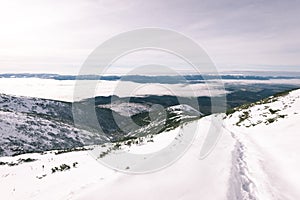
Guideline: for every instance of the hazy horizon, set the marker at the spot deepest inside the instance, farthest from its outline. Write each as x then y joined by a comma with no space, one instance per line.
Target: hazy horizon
277,72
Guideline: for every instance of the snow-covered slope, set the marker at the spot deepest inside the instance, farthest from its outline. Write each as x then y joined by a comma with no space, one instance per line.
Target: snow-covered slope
55,109
130,109
256,158
21,133
126,109
189,178
166,119
35,125
266,158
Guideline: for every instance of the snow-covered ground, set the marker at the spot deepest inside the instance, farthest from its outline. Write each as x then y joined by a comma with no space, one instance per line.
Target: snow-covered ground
256,158
33,125
267,149
188,178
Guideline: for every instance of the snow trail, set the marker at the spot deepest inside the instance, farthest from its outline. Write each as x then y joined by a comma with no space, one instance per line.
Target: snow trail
250,178
241,186
267,137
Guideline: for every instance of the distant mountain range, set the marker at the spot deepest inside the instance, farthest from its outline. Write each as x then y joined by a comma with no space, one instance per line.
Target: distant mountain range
150,79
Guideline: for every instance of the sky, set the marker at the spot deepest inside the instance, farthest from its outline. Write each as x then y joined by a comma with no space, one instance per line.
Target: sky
45,36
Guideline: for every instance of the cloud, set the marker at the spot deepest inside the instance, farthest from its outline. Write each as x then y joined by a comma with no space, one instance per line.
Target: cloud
57,36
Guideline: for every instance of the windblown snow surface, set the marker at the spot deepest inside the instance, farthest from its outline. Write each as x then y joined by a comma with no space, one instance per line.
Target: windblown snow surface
256,158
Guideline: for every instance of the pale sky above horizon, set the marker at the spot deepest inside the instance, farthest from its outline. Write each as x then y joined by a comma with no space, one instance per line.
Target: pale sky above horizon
44,36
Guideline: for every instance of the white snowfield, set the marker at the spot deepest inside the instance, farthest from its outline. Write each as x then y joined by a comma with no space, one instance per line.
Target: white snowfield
256,158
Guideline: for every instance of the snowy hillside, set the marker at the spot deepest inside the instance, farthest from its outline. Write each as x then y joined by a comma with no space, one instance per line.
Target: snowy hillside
256,158
266,156
35,125
55,109
21,133
90,180
126,109
165,120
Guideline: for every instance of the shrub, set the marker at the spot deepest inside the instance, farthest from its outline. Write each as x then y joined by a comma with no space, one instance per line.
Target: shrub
243,117
273,111
75,164
64,167
271,120
61,168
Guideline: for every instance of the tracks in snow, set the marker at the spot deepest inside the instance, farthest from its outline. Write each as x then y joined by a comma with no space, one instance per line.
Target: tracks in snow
249,180
242,187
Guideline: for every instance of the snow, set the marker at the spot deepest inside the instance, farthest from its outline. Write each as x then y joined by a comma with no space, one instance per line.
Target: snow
29,105
91,180
126,109
188,178
130,109
20,132
157,143
255,159
272,150
22,182
183,108
24,127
